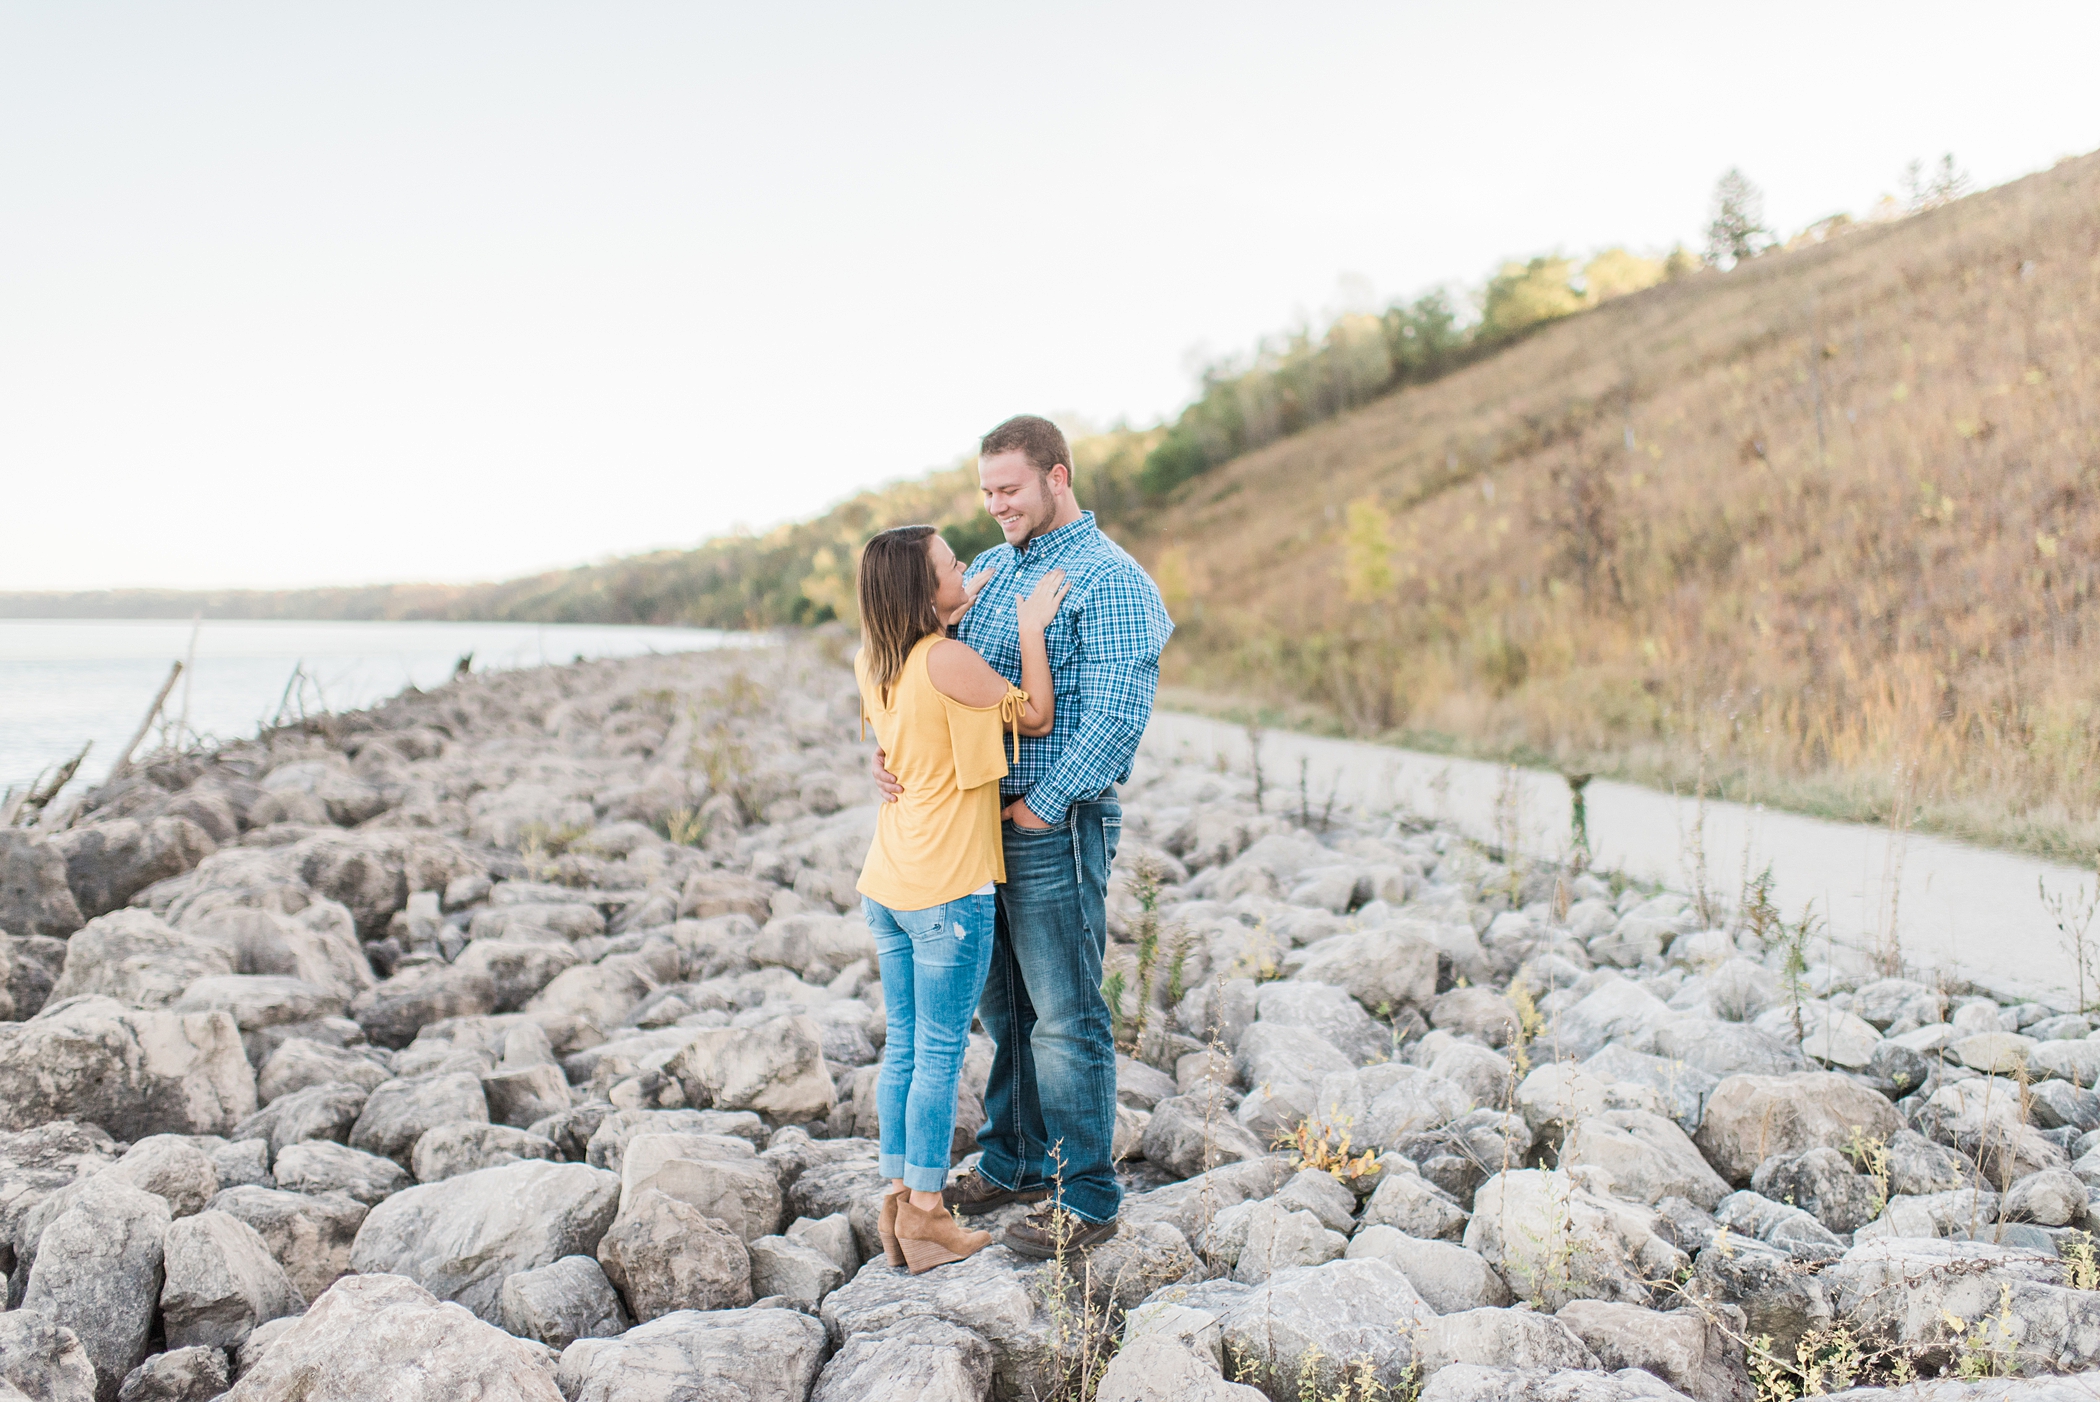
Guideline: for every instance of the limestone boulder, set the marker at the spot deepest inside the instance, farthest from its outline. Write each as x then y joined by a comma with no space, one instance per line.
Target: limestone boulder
1555,1237
1507,1338
465,1146
1698,1356
775,1069
992,1294
1388,968
561,1302
300,1062
1478,1382
917,1359
136,958
310,1237
107,863
755,1355
34,896
1448,1277
323,1166
384,1336
98,1272
462,1237
394,1011
221,1282
1750,1118
199,1373
328,1111
44,1360
666,1257
1647,1157
1318,1321
400,1112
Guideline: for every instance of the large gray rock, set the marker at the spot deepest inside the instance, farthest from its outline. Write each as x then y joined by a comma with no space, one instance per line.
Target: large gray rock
464,1146
198,1373
775,1069
1726,1048
1408,1202
734,1355
382,1336
317,945
44,1360
1555,1237
98,1273
1327,1011
1191,1134
310,1237
561,1302
665,1256
516,969
1379,1106
222,1281
1617,1010
1750,1118
259,1001
393,1012
136,958
34,897
917,1359
1685,1348
787,1269
1906,1289
1647,1157
522,1096
1190,1206
1154,1366
1318,1321
1821,1182
107,863
1448,1278
29,968
328,1111
1387,968
1255,1240
992,1294
1778,1294
1503,1338
134,1072
1987,1119
171,1168
40,1162
322,1166
399,1113
1475,1382
1683,1088
744,1195
461,1237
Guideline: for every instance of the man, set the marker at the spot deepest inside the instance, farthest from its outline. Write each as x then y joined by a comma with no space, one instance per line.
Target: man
1050,1105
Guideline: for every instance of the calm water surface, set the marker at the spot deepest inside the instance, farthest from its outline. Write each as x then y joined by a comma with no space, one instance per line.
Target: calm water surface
66,681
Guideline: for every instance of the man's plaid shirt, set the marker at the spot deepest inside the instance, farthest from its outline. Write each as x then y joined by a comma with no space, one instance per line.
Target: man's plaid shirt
1104,649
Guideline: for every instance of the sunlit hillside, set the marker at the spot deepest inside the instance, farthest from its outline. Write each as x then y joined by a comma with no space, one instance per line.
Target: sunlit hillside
1822,527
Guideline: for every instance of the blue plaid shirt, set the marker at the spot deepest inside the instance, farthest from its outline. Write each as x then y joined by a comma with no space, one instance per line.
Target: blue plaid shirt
1104,650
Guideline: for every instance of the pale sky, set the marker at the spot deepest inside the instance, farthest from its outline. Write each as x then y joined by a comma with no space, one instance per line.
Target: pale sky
299,293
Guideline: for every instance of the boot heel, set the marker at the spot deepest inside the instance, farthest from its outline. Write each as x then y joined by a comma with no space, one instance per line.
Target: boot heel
932,1239
886,1228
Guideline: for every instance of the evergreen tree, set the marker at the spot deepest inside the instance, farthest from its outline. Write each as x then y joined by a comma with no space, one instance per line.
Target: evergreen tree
1737,230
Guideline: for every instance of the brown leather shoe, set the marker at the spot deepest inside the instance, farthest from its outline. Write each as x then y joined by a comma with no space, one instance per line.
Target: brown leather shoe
934,1238
886,1228
973,1193
1048,1230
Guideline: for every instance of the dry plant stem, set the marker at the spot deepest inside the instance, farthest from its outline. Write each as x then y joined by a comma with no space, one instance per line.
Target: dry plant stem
160,699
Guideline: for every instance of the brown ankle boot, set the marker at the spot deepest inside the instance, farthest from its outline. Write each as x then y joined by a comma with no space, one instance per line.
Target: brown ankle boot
934,1238
886,1227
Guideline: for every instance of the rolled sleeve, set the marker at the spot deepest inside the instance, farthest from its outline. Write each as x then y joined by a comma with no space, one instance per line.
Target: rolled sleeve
1122,626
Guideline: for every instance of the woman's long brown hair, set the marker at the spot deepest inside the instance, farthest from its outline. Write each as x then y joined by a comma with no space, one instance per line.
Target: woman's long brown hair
896,601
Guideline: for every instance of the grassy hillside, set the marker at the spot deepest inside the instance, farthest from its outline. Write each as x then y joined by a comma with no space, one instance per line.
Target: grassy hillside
1823,527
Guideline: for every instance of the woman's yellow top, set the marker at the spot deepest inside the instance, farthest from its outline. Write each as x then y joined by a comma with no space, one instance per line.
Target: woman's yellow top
940,840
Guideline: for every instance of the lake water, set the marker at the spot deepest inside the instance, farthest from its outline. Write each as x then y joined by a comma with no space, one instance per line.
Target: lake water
64,682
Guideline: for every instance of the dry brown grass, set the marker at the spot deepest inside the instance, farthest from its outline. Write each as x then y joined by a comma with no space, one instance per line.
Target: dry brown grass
1830,519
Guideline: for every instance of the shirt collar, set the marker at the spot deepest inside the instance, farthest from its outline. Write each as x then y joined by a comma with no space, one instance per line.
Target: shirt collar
1061,537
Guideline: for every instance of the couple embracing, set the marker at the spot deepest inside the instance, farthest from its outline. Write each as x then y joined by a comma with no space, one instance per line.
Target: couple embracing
1008,701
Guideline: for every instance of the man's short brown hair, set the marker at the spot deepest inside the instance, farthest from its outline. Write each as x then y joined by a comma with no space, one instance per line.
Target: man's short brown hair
1037,439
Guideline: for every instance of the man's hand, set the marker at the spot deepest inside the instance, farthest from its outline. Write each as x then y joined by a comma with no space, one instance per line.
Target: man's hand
885,780
1021,816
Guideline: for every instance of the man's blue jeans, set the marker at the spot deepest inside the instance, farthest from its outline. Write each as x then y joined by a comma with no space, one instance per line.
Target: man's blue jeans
933,965
1051,1101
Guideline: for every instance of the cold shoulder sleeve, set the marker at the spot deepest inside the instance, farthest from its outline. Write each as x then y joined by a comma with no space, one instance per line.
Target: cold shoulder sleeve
978,735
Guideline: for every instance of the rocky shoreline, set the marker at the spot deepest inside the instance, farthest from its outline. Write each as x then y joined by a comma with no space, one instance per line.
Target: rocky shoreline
516,1040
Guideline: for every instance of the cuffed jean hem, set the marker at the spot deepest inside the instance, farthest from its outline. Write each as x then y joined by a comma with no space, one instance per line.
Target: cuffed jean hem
919,1179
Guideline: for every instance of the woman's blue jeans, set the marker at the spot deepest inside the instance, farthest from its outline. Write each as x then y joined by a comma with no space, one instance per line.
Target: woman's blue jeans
933,967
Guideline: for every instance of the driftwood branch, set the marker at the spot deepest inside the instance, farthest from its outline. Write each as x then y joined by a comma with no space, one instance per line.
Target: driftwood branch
123,763
30,806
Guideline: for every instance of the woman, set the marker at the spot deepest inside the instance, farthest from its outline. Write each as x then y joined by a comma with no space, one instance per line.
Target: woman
939,711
